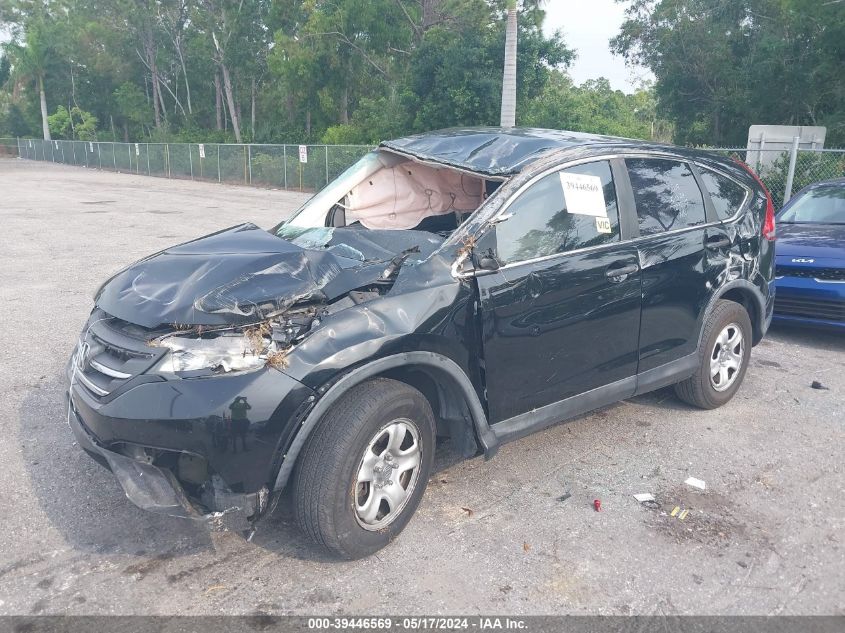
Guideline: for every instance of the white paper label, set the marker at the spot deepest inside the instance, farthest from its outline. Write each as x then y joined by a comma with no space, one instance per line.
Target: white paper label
303,153
584,195
603,225
137,150
202,150
91,147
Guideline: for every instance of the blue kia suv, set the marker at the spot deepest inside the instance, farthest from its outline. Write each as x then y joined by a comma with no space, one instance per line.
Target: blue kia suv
810,273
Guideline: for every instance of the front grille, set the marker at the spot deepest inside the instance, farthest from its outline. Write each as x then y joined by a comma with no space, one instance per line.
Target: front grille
111,353
821,274
827,309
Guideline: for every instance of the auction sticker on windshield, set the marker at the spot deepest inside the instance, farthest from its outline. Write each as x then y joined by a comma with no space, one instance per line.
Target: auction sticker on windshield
583,194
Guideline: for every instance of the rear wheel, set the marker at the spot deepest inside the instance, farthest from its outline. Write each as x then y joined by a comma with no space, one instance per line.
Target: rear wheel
364,469
723,358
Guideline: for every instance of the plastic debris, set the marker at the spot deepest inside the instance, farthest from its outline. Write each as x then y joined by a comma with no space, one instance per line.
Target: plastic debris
564,496
643,497
817,385
597,505
696,483
680,514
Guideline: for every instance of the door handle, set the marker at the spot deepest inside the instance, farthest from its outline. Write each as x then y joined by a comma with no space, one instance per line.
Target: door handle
717,242
622,271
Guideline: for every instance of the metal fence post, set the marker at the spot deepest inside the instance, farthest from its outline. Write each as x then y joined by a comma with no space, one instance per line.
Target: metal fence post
114,154
167,157
191,161
790,175
249,161
327,164
219,178
285,161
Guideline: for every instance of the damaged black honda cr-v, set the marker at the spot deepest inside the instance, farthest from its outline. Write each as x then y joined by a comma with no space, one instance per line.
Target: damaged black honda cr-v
479,284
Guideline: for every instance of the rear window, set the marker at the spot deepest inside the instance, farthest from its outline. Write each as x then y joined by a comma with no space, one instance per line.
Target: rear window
727,195
666,193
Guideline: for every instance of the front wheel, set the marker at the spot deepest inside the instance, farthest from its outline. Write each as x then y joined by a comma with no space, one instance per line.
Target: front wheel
723,358
364,469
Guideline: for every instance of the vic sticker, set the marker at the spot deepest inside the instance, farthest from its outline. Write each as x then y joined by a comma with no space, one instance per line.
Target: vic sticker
583,194
603,225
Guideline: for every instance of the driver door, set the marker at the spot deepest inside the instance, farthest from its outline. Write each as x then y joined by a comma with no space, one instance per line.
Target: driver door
561,316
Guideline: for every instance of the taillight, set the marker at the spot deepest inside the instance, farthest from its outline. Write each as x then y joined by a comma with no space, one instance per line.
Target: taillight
769,222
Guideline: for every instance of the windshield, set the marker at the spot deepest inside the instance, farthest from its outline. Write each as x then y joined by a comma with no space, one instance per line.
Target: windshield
824,205
313,213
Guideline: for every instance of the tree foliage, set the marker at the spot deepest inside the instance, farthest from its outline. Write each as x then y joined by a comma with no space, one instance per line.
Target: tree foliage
722,65
358,71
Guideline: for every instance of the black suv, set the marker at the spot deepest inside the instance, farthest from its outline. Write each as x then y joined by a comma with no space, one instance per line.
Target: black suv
479,284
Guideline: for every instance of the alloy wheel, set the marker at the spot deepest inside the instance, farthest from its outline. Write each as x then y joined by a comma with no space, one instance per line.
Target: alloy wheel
387,474
726,357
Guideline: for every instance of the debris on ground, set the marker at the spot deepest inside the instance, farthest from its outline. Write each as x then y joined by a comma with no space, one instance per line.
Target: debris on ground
696,483
817,385
644,496
597,505
680,514
526,547
468,511
564,496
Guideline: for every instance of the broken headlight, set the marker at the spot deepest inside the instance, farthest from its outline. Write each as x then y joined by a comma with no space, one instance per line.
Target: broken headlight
220,354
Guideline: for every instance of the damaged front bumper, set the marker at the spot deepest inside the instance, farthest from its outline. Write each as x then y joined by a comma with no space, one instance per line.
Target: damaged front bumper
156,489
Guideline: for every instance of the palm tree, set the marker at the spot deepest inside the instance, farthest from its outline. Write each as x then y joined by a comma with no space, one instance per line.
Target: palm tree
509,79
30,64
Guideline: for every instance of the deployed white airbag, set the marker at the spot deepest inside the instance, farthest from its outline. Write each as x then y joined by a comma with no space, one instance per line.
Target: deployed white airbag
399,197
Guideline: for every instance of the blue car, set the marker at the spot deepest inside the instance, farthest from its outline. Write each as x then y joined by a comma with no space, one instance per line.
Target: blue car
810,273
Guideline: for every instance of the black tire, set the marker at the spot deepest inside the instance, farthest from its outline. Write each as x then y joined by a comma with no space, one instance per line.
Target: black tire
324,485
698,390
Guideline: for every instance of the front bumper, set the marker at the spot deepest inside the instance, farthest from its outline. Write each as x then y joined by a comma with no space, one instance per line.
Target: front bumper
810,302
157,490
191,420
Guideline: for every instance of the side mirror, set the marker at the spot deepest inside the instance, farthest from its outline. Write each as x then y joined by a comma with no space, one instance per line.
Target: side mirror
488,262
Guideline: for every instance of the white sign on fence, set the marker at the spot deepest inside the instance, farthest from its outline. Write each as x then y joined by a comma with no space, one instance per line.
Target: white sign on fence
202,150
137,150
91,146
303,153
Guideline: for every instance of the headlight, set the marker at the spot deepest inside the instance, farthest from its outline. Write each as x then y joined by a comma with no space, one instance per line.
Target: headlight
227,353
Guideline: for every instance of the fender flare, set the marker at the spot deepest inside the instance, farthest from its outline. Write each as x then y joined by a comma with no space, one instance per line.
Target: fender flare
749,288
358,375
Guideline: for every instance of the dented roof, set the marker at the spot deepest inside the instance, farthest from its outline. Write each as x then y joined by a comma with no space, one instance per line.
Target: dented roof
490,150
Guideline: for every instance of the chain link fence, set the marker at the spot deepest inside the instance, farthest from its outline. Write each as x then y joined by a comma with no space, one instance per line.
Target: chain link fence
8,147
311,167
297,167
786,172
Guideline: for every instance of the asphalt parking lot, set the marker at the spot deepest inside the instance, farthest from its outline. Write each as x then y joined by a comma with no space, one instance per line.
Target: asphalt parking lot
765,537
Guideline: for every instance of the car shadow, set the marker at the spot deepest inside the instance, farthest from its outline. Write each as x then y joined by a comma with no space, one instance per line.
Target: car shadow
81,499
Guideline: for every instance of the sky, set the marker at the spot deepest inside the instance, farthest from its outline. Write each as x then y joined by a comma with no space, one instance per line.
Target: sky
587,26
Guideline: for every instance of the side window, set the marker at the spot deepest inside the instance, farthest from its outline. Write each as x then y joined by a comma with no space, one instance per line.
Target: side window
666,194
564,211
727,195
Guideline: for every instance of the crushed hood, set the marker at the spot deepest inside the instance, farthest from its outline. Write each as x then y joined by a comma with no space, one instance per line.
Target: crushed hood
242,275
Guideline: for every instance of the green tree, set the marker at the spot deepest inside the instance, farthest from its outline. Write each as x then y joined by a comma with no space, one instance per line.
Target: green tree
722,66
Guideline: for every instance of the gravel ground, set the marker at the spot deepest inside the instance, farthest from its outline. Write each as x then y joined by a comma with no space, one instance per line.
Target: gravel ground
766,537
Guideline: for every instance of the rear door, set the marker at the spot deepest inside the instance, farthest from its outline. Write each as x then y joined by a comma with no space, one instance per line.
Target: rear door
561,316
680,254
